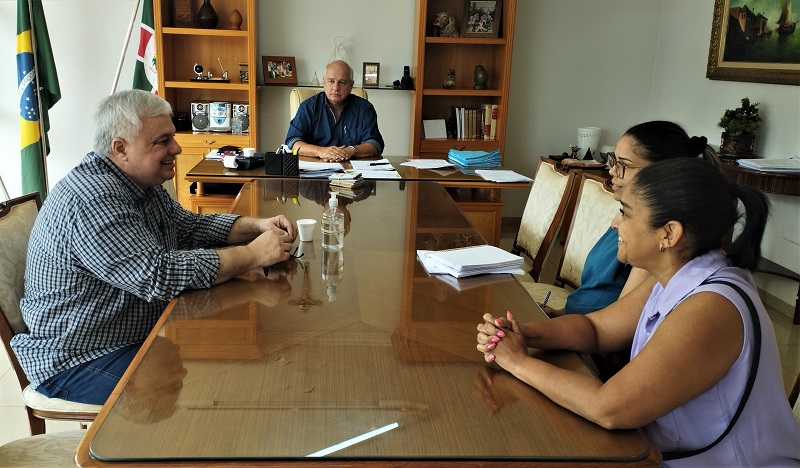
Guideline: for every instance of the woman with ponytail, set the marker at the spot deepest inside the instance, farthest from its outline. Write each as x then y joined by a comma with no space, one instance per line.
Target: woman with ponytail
704,380
604,278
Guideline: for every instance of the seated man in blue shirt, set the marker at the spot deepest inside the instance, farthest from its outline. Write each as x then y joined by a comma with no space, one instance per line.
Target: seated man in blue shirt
335,125
110,248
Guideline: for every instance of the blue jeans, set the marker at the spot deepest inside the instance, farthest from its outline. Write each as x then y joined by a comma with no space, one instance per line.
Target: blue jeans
93,381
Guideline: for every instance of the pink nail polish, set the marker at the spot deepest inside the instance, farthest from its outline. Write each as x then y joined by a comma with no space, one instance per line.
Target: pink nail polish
491,345
501,333
508,314
490,357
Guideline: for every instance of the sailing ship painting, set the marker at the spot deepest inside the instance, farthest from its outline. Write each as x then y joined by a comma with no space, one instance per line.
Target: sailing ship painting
762,31
785,24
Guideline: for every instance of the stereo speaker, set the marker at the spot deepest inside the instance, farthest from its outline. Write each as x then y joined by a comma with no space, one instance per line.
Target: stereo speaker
241,112
200,114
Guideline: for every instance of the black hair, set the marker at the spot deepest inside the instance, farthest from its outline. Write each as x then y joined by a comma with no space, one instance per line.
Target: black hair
698,196
659,140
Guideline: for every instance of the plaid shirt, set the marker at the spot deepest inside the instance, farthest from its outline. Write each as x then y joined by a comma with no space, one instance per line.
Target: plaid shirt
104,259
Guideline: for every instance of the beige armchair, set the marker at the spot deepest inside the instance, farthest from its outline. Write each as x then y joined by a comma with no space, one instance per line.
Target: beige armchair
16,222
298,95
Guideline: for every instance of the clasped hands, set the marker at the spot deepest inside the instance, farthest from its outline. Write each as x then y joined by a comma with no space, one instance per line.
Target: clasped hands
274,243
335,153
501,340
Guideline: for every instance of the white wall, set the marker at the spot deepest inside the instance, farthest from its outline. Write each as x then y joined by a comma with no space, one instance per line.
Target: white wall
607,63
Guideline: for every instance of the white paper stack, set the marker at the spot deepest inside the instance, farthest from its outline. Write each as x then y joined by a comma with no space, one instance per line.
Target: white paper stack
470,261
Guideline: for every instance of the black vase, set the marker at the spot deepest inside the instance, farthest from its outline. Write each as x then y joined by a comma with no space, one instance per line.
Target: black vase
206,17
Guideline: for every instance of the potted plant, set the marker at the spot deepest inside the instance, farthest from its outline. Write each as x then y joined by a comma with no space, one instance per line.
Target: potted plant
740,126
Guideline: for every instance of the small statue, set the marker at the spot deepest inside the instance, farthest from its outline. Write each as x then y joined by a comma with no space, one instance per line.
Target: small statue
574,151
444,25
450,80
481,77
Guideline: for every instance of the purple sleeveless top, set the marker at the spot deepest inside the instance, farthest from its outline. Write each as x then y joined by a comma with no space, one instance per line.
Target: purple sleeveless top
766,433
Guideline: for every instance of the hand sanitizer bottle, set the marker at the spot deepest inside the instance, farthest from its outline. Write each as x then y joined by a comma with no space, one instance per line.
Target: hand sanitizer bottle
332,225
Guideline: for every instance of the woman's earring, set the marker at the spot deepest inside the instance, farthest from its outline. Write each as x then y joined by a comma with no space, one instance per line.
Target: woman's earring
661,248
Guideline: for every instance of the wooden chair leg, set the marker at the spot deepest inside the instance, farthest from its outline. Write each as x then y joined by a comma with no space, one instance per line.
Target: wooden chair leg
37,425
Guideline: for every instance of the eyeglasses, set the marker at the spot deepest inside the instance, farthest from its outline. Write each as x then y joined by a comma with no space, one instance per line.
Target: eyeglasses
612,161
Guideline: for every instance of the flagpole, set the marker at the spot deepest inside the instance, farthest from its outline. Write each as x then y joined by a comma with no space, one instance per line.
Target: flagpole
42,135
125,47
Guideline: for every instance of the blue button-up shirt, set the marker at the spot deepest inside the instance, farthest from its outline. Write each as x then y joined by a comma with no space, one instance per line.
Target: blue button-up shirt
315,123
104,258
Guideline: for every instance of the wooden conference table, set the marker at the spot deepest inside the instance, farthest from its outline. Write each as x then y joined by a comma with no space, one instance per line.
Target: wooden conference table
367,362
478,199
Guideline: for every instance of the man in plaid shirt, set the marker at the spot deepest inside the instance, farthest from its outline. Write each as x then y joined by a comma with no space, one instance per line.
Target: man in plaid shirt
110,248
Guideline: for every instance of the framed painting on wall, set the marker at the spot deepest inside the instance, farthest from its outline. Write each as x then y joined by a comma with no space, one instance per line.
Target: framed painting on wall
482,18
279,69
760,46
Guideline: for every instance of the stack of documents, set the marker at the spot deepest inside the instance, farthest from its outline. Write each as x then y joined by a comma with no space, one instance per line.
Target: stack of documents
502,176
474,158
380,169
470,261
319,169
786,166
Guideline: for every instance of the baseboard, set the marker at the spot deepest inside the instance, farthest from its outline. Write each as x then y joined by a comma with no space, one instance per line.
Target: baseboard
776,303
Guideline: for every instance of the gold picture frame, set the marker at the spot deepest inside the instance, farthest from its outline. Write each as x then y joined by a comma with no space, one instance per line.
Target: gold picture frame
745,44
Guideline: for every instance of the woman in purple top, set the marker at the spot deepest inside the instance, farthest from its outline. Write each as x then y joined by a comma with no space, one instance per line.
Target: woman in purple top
692,342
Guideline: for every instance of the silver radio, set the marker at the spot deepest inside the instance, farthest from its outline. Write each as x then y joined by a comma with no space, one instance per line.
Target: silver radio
220,117
200,116
241,113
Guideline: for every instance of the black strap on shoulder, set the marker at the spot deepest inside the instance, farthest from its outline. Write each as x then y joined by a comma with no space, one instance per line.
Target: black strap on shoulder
750,379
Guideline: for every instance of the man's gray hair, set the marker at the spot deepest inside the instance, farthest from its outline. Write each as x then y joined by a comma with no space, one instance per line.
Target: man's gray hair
120,115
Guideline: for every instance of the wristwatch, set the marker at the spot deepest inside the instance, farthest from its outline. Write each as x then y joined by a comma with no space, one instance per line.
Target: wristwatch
355,150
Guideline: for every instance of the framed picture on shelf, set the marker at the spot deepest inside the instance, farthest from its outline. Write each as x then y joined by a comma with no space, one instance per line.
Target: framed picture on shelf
746,46
372,74
279,69
481,18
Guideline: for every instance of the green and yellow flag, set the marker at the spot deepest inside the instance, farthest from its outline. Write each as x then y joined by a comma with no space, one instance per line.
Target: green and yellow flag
38,92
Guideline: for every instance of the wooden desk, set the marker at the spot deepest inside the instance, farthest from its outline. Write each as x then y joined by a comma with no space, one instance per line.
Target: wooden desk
270,370
771,182
478,199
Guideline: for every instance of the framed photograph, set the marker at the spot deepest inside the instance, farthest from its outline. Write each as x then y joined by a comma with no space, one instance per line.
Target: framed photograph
756,46
482,18
278,69
372,75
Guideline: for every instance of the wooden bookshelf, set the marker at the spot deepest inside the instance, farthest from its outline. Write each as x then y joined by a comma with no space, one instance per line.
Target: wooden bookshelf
177,50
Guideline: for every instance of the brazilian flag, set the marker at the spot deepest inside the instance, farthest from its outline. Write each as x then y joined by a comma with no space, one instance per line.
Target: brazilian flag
35,67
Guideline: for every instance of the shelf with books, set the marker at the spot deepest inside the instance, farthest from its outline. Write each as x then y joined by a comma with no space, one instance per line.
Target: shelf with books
436,56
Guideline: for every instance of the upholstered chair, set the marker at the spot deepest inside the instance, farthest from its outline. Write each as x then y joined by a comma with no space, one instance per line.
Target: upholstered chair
16,222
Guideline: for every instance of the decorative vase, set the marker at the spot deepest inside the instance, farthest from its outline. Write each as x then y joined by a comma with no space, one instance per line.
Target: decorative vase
236,20
206,16
737,146
481,77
